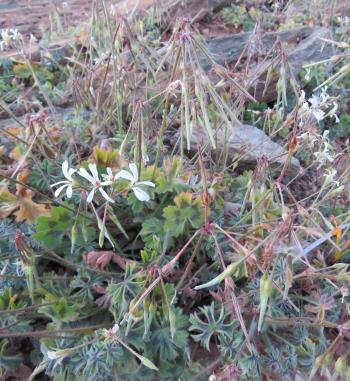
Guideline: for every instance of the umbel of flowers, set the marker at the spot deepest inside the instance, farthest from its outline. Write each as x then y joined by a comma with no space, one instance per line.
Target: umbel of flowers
105,187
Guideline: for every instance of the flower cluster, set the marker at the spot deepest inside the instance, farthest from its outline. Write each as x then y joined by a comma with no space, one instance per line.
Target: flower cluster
316,104
323,150
8,36
325,153
308,75
344,21
98,185
330,177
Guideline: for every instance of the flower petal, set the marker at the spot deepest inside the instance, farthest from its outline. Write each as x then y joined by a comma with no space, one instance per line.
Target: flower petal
318,114
124,175
69,191
106,183
109,172
52,355
84,173
90,196
105,195
134,171
60,182
59,190
93,170
65,169
148,183
70,173
141,194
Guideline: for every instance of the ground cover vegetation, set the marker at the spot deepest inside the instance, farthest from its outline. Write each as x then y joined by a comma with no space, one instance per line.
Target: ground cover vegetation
174,207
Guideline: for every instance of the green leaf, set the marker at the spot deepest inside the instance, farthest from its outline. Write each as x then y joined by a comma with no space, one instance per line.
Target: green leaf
341,129
10,362
211,324
61,311
162,343
123,292
186,211
54,230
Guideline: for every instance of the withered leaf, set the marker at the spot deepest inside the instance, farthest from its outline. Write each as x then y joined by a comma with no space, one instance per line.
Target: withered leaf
23,201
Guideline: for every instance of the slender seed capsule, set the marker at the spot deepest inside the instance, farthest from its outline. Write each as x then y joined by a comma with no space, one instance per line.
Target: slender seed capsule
74,235
85,231
172,321
230,269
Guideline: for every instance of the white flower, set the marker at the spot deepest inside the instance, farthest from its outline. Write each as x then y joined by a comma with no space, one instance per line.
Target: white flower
324,96
308,139
325,150
133,177
109,178
325,135
95,181
9,35
329,177
315,101
15,35
332,112
32,39
324,156
308,74
5,35
318,114
67,173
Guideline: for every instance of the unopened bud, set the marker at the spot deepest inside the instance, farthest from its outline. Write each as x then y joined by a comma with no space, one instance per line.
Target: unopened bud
265,292
340,366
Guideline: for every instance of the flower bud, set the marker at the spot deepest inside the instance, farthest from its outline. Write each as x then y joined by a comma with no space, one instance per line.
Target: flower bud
340,366
265,292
